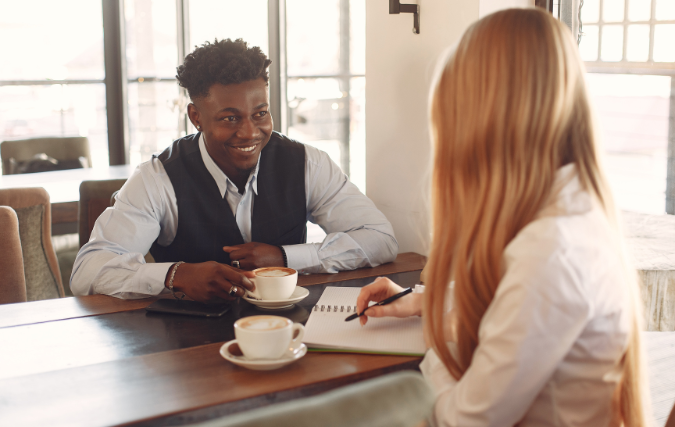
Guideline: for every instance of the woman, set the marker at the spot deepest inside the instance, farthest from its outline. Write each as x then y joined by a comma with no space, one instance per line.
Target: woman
542,326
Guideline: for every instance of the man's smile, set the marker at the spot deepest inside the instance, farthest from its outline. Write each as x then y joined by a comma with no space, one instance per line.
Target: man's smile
246,148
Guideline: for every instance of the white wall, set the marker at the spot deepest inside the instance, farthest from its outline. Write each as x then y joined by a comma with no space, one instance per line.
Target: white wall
486,7
399,72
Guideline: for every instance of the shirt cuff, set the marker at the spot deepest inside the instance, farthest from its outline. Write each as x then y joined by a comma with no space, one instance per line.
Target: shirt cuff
150,277
303,258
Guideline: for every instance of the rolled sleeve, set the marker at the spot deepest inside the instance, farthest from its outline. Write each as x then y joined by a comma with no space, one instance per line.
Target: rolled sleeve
357,233
112,262
302,257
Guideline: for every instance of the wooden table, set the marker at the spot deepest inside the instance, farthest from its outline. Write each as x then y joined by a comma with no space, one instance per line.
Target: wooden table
64,190
97,360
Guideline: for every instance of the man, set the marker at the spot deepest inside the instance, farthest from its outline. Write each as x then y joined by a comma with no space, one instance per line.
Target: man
233,197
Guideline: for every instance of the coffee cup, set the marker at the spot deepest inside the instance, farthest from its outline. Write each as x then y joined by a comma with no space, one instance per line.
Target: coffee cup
273,283
267,337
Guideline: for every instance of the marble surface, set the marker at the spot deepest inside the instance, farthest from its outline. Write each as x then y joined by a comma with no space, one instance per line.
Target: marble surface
651,245
651,240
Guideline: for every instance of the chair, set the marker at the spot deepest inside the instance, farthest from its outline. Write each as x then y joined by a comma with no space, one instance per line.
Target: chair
95,197
402,399
12,281
41,268
61,148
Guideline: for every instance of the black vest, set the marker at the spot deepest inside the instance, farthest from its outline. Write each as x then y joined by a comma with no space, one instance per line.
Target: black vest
205,220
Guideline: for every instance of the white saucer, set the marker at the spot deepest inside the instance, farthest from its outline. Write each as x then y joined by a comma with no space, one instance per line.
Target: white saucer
262,365
298,295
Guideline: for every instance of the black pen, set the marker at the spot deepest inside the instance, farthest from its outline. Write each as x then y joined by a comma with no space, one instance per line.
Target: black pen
386,301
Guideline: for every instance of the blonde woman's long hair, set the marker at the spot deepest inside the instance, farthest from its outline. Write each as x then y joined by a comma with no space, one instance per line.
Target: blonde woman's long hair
509,109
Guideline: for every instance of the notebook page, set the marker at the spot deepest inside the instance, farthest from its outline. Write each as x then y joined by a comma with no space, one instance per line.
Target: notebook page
386,335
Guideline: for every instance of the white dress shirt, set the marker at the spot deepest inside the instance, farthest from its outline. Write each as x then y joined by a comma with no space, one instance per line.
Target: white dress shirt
552,337
112,263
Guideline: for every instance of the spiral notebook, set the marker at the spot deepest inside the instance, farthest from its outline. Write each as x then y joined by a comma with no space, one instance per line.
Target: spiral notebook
326,329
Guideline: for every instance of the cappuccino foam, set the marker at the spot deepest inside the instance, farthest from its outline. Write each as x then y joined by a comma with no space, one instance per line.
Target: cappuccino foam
273,272
263,323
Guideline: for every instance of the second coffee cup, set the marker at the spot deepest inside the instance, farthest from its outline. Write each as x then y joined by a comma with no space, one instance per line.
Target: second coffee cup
274,283
267,337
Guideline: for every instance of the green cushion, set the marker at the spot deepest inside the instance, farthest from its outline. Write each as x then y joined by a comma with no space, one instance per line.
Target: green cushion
40,281
402,399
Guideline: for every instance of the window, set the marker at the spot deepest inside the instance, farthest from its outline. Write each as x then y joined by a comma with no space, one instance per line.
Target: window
326,79
57,84
630,56
52,73
154,104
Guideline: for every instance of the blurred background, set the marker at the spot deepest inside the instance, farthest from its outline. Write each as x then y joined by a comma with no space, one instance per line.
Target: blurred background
52,77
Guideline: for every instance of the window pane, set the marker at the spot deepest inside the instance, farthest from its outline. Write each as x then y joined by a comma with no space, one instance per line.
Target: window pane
357,45
664,48
151,38
588,48
153,118
638,43
222,19
357,133
665,10
56,110
590,12
612,10
49,39
633,116
612,43
317,114
639,10
313,37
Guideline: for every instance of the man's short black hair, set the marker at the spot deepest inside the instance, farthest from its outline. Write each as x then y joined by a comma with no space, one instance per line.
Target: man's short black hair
225,62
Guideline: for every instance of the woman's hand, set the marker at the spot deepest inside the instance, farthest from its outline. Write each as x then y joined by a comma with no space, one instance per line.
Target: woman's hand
382,288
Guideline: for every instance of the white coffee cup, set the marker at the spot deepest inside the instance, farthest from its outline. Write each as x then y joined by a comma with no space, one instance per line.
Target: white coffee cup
267,337
273,283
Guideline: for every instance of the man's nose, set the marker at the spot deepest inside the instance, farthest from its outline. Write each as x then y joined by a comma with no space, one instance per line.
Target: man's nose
248,129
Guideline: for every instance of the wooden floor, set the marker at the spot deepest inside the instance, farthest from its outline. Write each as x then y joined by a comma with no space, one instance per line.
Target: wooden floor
660,347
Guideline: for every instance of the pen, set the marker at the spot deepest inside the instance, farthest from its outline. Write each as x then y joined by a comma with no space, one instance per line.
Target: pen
386,301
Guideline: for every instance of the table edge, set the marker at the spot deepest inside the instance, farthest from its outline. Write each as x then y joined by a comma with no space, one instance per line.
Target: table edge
27,313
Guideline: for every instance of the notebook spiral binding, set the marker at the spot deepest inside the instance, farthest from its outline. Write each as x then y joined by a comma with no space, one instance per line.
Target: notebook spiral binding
327,308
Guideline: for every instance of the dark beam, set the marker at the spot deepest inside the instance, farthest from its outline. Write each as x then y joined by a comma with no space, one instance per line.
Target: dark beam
546,4
114,45
276,24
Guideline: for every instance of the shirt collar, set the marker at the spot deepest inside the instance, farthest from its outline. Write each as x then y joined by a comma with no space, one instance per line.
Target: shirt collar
568,197
223,181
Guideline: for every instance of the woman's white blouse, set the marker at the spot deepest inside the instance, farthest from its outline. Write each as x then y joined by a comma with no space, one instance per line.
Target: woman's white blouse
551,340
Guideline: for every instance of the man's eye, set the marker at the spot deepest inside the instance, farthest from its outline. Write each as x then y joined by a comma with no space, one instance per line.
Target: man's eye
261,113
230,118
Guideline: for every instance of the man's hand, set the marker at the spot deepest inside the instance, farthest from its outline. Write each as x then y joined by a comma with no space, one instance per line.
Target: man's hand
382,288
255,255
211,281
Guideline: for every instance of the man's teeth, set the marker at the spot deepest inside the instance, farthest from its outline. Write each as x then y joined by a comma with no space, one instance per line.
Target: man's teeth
251,148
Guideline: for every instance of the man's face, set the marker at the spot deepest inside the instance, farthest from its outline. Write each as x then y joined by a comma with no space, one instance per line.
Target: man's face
236,123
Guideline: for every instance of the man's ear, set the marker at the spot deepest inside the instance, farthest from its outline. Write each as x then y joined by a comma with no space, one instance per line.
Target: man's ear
193,115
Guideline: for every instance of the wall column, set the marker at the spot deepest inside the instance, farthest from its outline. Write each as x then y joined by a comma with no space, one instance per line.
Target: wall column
670,184
399,71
